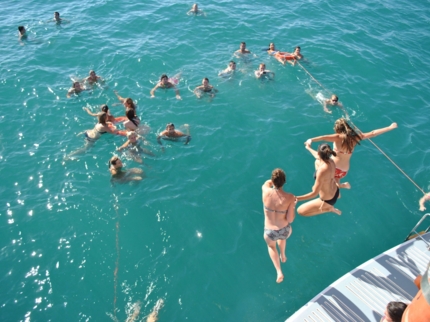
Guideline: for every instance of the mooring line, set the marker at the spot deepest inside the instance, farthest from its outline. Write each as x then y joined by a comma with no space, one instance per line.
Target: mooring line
374,144
115,273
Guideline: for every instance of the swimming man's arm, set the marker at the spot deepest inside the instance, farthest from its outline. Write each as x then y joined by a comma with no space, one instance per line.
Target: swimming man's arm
423,200
92,114
153,90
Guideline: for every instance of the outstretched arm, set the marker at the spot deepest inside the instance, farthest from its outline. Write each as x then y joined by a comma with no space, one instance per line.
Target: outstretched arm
122,147
312,151
325,106
91,113
329,138
121,99
153,90
178,96
377,132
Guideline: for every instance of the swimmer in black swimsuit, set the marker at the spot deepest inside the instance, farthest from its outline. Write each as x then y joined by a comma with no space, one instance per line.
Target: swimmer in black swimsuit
325,184
205,88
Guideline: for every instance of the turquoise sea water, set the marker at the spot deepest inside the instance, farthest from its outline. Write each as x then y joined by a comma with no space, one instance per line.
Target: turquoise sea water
76,248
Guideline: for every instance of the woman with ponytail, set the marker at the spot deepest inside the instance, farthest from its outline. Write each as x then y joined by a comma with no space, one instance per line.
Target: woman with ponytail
344,142
325,185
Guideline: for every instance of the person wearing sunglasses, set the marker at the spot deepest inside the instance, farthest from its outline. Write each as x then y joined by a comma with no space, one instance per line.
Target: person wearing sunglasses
333,101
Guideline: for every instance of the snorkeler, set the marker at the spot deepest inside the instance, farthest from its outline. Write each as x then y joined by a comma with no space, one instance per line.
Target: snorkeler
205,88
93,78
282,57
76,89
171,134
22,33
195,10
229,70
334,101
132,145
119,174
165,83
279,212
242,49
262,72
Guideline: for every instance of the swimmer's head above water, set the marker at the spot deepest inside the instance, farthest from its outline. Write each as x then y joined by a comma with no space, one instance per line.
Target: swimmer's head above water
104,108
132,136
21,30
57,16
115,162
170,127
232,65
278,178
205,82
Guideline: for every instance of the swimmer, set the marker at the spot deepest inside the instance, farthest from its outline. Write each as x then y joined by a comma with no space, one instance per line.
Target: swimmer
229,70
344,142
57,18
126,101
279,212
334,101
422,201
132,122
133,147
22,33
262,72
195,10
171,134
282,57
110,118
325,184
153,316
165,83
76,89
91,136
120,175
205,88
297,55
242,50
93,78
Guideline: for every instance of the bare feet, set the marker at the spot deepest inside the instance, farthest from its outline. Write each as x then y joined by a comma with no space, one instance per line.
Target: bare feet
345,185
336,211
283,258
280,277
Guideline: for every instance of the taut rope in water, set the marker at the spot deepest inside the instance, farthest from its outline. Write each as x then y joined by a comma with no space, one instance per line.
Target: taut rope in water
374,144
115,273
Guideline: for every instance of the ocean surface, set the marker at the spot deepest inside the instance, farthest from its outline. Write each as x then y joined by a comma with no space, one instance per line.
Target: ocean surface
75,247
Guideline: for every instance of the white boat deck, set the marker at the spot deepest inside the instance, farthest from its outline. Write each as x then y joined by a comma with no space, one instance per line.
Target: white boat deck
363,293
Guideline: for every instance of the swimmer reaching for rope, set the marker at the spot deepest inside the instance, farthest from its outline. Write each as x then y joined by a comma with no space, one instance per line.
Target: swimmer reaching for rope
344,142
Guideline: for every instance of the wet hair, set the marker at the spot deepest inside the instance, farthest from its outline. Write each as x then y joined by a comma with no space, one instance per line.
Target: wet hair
56,13
278,177
232,62
395,310
102,117
130,102
325,152
104,108
130,133
113,160
21,28
169,124
244,43
92,71
351,138
206,79
298,47
163,76
262,64
131,114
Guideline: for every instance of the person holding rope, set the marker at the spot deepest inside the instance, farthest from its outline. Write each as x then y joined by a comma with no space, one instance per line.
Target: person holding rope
344,141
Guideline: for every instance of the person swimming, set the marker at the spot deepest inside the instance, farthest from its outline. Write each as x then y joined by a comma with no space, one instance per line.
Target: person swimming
231,68
120,175
263,73
170,133
282,57
93,78
165,83
133,147
333,101
195,10
22,33
279,213
126,101
325,184
242,49
110,118
205,88
344,141
76,89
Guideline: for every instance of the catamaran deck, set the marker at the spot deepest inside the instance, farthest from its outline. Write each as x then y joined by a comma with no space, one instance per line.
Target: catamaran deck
363,293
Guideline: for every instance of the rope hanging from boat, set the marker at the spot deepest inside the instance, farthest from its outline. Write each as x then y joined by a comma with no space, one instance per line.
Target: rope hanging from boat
115,273
374,144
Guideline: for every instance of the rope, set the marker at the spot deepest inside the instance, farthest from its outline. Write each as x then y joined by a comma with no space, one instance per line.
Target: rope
374,144
115,273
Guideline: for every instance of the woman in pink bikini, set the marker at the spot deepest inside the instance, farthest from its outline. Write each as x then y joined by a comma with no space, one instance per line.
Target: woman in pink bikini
344,142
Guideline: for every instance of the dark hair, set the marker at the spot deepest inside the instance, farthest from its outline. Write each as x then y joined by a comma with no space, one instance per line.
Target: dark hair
163,76
278,177
102,118
131,114
243,43
351,138
21,28
395,310
113,161
298,47
57,13
104,108
206,79
169,124
325,152
232,62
